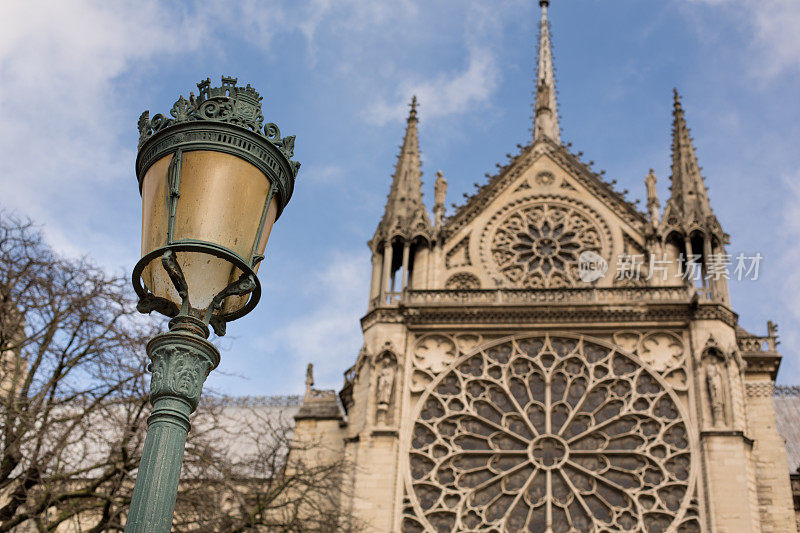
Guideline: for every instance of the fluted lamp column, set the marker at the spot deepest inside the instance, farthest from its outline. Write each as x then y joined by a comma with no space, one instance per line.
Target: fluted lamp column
213,178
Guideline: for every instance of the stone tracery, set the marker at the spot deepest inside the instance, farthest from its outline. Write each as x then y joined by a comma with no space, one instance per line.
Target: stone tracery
462,281
538,245
549,431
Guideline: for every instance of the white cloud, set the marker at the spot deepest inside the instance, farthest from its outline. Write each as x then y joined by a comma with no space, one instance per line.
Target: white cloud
446,94
773,25
452,93
67,67
251,19
326,174
777,23
59,138
788,268
329,334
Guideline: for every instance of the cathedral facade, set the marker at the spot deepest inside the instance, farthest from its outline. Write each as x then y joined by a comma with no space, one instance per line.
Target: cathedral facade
514,377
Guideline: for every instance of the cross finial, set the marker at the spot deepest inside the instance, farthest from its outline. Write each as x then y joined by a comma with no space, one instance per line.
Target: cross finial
413,105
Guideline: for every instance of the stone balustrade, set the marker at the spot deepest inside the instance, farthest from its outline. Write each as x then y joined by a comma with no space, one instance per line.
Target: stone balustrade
417,298
754,343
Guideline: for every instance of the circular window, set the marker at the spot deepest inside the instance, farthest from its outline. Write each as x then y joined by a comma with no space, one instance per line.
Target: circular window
549,432
538,244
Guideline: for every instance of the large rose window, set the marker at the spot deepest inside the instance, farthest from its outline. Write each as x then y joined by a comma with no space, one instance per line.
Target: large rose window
548,433
539,245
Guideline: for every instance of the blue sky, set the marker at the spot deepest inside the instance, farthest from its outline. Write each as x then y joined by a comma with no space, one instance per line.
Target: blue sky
74,77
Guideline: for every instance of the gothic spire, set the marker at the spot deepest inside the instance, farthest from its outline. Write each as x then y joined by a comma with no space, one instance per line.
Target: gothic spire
405,211
545,114
688,190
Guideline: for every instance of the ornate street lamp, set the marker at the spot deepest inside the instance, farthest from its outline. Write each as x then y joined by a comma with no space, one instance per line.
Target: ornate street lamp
213,179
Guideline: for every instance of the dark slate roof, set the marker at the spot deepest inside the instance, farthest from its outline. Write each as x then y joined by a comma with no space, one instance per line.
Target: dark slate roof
787,417
320,405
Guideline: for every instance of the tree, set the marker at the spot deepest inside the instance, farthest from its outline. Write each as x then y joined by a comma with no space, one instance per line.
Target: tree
73,409
244,461
72,358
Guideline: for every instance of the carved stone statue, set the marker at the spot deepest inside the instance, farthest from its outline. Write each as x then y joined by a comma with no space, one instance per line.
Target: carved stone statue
772,328
439,193
385,384
653,205
309,377
716,393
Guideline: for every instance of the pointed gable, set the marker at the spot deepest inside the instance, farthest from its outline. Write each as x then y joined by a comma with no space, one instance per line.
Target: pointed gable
529,225
546,140
509,174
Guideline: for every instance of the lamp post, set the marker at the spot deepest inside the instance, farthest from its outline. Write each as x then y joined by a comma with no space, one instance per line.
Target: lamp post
213,178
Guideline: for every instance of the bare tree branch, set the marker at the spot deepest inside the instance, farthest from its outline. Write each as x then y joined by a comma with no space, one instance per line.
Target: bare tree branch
73,409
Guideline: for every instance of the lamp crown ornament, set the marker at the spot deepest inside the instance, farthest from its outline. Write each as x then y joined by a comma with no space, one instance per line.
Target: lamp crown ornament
227,103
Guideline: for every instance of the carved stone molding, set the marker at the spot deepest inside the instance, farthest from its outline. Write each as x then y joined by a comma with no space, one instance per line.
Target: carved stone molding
546,315
580,295
434,353
462,281
759,389
385,316
458,255
615,315
565,185
604,305
662,350
545,178
762,364
731,433
716,312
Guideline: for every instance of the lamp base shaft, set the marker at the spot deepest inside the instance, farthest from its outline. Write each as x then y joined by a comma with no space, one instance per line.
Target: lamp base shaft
156,487
181,361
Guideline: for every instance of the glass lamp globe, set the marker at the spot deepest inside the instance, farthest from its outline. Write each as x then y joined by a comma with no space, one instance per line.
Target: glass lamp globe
213,179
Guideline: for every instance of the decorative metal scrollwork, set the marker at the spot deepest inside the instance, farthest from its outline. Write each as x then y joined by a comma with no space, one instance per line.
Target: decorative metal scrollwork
230,104
542,432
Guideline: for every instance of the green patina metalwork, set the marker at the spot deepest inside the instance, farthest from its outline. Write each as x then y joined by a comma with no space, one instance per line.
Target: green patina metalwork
226,119
246,284
181,360
239,107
